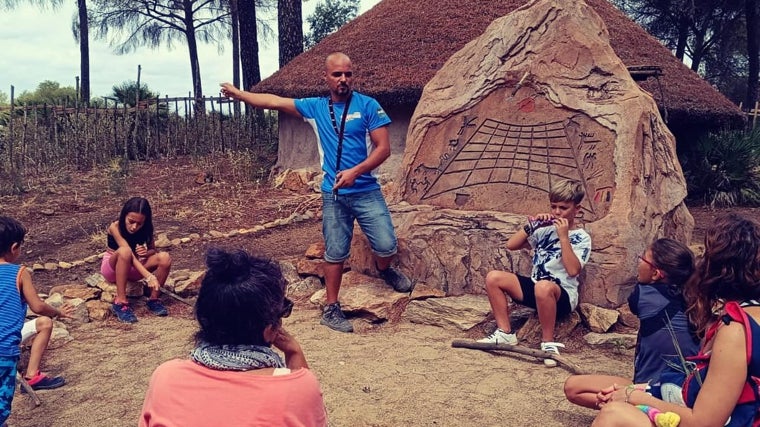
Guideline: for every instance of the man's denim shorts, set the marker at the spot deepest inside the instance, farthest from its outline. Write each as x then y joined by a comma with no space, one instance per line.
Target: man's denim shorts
369,209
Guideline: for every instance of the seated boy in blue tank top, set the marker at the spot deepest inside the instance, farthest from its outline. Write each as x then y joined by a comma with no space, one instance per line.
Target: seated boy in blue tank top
16,291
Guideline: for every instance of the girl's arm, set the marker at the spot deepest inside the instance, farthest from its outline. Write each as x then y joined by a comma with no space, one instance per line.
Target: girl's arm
721,388
113,230
149,249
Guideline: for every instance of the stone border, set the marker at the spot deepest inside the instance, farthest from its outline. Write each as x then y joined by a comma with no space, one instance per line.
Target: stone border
163,242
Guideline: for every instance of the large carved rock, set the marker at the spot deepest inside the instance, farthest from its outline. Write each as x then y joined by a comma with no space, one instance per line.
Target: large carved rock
540,96
448,249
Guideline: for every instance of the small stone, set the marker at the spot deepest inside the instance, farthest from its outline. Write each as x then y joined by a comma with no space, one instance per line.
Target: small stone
97,310
162,241
315,250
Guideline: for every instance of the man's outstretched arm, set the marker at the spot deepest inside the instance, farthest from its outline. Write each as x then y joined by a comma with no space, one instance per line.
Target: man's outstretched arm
261,100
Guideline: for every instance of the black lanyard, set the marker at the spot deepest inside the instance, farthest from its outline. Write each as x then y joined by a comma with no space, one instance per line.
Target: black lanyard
339,132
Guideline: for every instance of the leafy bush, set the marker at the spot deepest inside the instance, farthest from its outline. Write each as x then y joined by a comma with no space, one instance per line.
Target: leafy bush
723,168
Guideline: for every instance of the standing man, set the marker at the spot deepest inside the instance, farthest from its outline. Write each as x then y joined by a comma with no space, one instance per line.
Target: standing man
352,133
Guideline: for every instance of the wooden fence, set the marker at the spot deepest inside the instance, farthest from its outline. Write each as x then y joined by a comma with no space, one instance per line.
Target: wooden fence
36,140
752,114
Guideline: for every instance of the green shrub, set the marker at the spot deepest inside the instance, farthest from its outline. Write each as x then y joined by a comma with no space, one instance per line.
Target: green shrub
723,169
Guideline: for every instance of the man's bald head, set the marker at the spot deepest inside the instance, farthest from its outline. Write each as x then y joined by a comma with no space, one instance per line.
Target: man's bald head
336,58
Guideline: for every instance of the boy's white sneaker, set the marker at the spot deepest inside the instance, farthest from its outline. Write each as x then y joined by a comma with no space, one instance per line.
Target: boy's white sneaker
500,337
551,347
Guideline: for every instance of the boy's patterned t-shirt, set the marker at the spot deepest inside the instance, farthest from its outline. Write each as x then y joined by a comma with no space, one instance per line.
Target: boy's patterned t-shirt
547,258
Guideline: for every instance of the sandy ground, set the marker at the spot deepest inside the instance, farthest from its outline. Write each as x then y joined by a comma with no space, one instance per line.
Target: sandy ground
393,375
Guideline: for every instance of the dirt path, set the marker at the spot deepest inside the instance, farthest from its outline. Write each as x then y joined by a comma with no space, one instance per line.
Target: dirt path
403,374
392,375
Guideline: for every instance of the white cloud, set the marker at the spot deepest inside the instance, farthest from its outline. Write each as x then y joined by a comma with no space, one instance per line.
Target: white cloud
38,45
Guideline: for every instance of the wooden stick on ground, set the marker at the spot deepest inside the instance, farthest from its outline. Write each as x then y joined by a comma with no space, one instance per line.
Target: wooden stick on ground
562,361
189,302
29,390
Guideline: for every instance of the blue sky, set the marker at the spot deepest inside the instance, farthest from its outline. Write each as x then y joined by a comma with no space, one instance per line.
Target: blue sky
38,45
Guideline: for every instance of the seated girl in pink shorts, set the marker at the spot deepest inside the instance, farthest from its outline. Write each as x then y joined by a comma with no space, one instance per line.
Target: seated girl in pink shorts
132,256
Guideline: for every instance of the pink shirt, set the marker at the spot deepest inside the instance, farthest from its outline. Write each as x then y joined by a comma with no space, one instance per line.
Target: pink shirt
184,394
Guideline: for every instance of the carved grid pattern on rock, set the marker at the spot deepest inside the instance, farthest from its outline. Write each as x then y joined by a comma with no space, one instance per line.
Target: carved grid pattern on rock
524,155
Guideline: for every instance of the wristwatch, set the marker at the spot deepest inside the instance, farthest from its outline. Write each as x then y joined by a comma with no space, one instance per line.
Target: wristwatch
527,229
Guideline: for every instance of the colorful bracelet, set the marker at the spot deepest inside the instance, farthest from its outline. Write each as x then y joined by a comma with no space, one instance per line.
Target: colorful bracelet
528,229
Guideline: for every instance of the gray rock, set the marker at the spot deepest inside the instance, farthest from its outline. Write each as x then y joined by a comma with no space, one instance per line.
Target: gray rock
462,312
598,319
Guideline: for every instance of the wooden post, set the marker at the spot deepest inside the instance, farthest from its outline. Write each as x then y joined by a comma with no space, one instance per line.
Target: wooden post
10,133
137,115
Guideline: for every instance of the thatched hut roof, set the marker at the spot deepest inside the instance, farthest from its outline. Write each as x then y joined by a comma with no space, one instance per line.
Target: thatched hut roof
398,45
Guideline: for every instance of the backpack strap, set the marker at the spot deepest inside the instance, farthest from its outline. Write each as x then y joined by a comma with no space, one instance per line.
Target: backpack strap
735,312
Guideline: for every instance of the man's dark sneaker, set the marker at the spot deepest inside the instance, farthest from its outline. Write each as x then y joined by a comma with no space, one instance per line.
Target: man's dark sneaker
396,279
44,382
333,318
156,307
123,313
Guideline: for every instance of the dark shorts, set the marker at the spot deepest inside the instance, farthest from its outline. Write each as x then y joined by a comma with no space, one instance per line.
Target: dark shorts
529,296
7,385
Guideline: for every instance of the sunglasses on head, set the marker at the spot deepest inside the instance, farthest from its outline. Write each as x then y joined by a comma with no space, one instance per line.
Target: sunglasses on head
287,307
337,74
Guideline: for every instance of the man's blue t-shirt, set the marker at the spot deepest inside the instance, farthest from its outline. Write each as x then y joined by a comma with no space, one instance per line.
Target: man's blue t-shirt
364,115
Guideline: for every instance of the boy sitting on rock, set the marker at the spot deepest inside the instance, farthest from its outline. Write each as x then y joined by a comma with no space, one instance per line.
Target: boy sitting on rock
559,253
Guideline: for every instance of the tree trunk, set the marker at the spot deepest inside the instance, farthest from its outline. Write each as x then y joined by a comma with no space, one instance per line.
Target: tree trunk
753,52
249,45
698,51
234,14
195,65
289,29
84,51
683,37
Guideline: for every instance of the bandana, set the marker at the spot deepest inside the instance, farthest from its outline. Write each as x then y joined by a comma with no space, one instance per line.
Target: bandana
236,357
